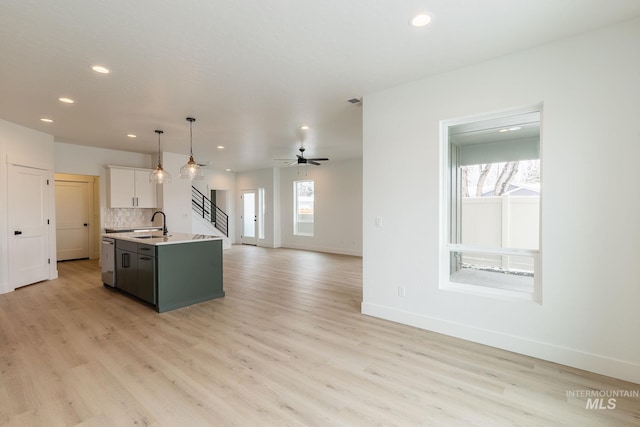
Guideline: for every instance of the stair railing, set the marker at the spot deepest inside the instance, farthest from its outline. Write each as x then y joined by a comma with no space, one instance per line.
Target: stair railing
208,210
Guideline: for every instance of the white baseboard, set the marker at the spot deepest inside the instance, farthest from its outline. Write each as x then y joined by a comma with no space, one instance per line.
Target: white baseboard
5,289
599,364
328,249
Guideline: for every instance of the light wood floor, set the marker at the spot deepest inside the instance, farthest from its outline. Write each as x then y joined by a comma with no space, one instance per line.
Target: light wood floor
287,346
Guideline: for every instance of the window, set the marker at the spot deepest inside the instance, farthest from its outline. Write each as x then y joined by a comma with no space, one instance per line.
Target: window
303,208
491,205
261,209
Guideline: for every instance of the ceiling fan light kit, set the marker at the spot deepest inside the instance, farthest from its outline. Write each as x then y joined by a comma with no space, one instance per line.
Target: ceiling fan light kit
159,175
191,170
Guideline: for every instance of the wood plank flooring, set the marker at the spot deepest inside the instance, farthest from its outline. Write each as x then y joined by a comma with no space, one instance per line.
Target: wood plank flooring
286,346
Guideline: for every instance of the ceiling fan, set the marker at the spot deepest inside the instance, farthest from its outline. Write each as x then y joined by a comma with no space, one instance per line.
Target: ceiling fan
302,160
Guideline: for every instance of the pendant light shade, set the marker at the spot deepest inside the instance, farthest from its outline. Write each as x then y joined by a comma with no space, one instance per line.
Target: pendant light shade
159,175
191,170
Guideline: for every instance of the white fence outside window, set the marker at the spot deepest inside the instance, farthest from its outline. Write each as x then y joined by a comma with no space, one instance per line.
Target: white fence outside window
501,222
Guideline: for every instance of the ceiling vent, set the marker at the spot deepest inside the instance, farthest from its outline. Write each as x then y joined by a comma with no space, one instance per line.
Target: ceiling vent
355,101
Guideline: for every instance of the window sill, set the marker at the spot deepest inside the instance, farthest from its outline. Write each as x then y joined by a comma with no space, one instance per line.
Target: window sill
483,291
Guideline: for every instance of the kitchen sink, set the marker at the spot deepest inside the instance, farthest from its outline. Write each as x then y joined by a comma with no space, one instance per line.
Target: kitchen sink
151,237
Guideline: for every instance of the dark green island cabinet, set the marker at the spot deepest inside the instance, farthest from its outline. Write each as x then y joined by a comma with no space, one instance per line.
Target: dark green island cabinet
169,272
136,269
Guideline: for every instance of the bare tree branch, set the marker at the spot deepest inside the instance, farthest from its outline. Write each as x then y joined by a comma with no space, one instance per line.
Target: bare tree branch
507,173
484,171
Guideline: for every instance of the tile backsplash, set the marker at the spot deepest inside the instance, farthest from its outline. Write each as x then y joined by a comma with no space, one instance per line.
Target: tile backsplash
129,217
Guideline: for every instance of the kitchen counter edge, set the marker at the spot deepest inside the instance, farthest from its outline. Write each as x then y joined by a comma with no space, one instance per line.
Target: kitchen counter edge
157,239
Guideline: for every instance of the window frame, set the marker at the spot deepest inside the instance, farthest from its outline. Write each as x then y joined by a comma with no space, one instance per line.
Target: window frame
450,213
296,231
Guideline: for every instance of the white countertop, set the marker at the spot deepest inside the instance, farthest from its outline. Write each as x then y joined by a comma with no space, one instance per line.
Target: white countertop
156,238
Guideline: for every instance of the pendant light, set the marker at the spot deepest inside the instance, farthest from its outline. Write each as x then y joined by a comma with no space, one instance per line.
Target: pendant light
159,175
191,170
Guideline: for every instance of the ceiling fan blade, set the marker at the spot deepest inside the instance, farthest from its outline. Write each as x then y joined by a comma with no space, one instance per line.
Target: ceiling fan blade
302,160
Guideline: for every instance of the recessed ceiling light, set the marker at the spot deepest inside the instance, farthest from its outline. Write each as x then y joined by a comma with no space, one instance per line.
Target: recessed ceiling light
46,120
420,20
100,69
511,129
66,100
220,147
131,135
304,127
228,170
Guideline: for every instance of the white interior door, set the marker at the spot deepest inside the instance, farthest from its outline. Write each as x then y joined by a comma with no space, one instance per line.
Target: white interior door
249,217
73,203
28,215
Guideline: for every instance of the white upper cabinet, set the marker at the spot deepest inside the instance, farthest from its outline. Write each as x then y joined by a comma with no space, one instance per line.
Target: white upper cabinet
146,192
130,188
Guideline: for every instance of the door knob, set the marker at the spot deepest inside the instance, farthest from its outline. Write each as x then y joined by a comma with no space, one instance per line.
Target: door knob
85,224
17,232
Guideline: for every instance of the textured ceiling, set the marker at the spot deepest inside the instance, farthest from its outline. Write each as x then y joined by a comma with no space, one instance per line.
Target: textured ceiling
250,71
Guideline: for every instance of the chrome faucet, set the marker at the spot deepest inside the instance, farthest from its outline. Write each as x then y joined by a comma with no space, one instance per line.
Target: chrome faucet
164,221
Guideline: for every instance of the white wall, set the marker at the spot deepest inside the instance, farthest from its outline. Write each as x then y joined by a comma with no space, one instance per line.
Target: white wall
337,207
176,195
81,160
589,316
26,147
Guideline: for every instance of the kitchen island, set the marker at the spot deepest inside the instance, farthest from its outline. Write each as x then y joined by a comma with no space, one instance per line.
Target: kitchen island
168,271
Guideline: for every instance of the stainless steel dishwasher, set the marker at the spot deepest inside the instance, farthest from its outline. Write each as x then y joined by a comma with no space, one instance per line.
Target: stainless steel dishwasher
108,261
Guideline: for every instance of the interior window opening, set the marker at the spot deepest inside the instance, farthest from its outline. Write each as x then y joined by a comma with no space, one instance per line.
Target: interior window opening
493,193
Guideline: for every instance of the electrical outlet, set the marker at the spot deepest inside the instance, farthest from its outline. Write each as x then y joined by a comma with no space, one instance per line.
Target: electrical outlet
402,292
378,221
